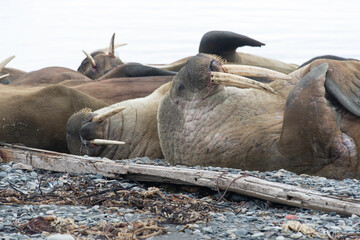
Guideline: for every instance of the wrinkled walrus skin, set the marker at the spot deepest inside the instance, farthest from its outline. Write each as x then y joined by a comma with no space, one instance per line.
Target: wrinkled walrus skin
305,128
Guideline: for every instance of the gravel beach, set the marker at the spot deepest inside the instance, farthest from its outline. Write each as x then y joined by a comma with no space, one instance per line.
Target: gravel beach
38,204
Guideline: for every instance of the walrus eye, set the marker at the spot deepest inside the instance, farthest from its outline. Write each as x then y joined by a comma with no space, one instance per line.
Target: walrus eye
181,87
215,65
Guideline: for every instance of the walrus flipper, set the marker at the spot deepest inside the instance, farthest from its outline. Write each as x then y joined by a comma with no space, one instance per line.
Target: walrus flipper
217,42
343,83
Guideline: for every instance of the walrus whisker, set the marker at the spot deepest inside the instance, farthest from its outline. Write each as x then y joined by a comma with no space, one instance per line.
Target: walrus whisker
233,80
106,142
101,117
253,71
90,58
4,76
6,61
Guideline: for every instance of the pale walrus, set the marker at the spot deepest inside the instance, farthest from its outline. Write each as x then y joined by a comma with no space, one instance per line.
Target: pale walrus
136,126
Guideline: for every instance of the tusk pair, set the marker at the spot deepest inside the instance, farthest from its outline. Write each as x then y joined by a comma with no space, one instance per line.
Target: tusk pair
106,142
102,116
252,71
6,61
233,80
110,50
4,76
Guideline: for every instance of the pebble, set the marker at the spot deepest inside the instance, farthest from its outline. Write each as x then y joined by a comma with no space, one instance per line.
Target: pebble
208,230
335,228
296,235
258,234
3,175
60,237
241,233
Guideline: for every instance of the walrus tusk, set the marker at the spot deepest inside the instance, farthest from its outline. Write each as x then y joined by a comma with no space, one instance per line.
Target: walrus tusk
91,59
6,61
4,76
112,47
252,71
106,142
101,117
232,80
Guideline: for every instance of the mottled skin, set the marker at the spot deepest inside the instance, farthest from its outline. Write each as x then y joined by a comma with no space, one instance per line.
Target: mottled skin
136,125
36,117
300,129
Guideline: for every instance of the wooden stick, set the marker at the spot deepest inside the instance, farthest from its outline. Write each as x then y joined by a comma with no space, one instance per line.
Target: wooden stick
238,183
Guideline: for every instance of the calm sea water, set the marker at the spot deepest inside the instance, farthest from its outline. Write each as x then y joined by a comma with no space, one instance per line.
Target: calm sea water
45,33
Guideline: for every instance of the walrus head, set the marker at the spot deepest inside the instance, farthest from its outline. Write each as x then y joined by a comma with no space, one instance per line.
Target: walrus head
86,132
100,62
208,74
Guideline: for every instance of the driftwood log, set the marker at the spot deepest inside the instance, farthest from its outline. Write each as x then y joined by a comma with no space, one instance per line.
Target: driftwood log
238,183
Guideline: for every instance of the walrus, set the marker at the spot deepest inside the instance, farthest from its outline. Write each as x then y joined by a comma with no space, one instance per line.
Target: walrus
36,117
310,126
101,61
136,126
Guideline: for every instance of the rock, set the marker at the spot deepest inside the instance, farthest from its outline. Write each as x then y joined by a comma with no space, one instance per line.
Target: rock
60,237
3,175
22,166
241,233
280,238
328,189
345,192
290,217
347,229
6,168
335,228
208,230
296,235
258,234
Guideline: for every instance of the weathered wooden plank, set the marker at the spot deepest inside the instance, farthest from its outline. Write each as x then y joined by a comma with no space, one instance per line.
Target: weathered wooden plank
242,184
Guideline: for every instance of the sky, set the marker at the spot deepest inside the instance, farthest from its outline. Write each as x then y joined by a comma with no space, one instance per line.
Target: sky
42,33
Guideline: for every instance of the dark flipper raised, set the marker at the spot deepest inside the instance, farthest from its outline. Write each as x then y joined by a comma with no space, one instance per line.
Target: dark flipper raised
217,42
